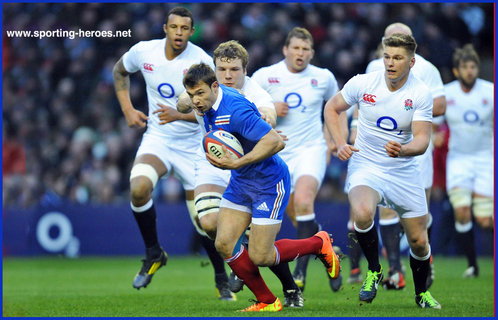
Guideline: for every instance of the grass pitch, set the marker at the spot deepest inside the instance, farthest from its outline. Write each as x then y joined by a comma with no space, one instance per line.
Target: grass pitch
102,287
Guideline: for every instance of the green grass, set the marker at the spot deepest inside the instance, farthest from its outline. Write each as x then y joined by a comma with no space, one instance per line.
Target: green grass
101,286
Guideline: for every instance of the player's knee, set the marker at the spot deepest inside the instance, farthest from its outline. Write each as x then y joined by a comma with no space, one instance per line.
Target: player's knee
223,247
482,208
209,224
460,197
143,179
485,223
419,246
303,204
260,259
140,191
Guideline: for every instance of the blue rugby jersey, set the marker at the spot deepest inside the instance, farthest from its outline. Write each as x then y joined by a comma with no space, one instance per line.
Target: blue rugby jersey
232,112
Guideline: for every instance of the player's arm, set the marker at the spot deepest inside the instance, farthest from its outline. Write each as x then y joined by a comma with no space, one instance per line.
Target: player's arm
421,135
333,108
134,117
439,106
269,115
267,146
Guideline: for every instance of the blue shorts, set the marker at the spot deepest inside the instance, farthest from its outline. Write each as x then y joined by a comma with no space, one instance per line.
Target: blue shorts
267,205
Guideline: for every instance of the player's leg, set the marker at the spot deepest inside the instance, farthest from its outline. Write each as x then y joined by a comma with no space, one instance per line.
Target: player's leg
305,191
233,220
220,275
145,172
461,201
363,201
354,252
390,235
420,253
431,276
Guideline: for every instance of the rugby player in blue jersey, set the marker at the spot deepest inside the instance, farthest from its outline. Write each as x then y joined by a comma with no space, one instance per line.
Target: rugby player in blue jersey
258,191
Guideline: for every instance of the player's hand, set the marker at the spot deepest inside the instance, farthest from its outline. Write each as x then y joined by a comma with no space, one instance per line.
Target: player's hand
393,149
283,136
136,119
331,150
166,114
226,162
282,108
346,151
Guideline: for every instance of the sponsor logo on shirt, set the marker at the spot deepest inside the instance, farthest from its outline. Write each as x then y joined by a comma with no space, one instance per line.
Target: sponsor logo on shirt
408,104
369,99
273,81
485,102
148,67
220,120
314,83
451,102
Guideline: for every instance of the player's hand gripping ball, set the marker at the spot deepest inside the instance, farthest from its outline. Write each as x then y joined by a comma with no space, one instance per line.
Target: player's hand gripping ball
215,139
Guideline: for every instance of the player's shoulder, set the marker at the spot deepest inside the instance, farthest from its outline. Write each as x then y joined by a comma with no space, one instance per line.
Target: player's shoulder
375,65
269,70
484,83
451,85
324,72
148,45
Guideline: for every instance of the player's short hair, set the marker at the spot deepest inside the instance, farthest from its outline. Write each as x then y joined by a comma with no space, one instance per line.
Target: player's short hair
182,12
231,50
198,73
300,33
464,54
401,40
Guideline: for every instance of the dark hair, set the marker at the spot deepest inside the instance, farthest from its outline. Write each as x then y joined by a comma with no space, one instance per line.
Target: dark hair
299,33
198,73
401,40
464,54
182,12
231,50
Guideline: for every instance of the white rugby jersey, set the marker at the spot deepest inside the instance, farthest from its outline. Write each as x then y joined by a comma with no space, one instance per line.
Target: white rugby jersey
164,81
470,117
305,93
384,115
422,69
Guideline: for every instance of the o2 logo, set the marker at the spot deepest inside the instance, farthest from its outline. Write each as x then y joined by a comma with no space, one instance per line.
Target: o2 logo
61,241
388,124
166,90
294,101
471,117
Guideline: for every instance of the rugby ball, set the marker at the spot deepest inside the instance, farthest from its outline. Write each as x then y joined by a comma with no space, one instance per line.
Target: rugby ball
215,139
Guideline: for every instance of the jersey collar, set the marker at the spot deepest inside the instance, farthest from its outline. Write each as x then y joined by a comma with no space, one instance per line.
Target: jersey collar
216,105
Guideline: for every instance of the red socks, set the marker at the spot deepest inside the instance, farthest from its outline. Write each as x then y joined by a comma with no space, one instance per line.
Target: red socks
289,250
246,270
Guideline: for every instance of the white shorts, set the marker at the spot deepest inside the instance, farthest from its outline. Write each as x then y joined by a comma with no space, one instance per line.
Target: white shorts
206,173
309,160
473,172
399,189
425,163
180,158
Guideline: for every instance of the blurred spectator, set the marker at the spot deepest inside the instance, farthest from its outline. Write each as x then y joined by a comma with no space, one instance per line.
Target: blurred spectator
59,108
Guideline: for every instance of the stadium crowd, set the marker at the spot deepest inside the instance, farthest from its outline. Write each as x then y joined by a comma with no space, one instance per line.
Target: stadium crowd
61,116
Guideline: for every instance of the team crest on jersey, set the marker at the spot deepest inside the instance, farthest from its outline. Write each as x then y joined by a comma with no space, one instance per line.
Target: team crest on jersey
221,120
148,67
185,71
408,104
273,81
314,83
484,102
